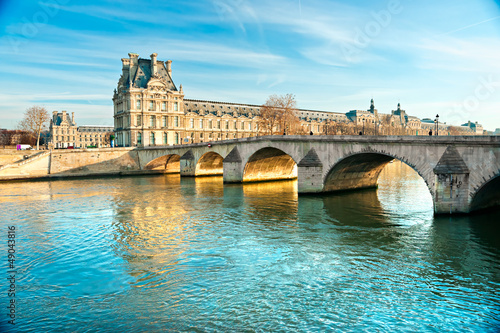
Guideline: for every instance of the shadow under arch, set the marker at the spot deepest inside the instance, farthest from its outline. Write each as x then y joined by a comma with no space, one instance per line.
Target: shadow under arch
269,164
167,164
487,196
360,171
209,164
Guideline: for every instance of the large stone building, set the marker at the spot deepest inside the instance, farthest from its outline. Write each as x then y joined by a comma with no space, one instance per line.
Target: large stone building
64,133
150,110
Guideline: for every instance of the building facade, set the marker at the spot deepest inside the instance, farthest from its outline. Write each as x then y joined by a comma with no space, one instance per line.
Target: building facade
64,133
148,107
150,110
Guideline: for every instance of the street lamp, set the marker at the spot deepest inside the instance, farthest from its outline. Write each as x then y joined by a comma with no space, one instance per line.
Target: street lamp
364,126
437,124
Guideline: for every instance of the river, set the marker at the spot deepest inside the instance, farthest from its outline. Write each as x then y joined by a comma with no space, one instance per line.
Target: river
161,253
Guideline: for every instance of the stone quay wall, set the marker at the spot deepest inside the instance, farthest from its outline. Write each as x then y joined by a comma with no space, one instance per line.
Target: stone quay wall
59,163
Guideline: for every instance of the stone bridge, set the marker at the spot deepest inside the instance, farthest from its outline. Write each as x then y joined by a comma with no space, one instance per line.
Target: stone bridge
462,173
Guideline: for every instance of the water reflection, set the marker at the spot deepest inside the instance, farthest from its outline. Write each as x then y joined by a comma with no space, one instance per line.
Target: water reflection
163,253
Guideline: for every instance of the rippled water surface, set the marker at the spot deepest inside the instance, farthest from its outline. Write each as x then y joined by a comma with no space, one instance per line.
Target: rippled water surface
160,253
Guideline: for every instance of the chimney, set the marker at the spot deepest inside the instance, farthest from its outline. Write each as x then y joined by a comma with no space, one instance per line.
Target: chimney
154,68
64,115
54,116
169,67
134,59
72,117
126,66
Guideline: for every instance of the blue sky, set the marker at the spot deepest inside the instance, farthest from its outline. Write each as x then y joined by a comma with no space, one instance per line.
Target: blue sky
431,56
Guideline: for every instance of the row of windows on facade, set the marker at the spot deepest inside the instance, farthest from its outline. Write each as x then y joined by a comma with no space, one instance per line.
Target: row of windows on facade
67,131
152,106
152,137
152,123
68,138
213,107
84,136
257,108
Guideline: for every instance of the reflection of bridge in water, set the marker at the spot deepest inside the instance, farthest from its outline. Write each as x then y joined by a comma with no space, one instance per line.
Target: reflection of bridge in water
462,173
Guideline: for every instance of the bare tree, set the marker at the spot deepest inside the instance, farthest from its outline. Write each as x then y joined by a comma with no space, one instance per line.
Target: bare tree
387,124
279,115
330,127
5,137
455,130
35,120
270,114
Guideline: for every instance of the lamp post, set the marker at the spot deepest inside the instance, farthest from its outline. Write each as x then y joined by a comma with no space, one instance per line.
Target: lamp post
437,124
364,126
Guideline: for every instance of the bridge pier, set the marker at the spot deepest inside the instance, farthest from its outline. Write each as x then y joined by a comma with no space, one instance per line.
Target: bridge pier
188,164
310,174
462,173
451,195
233,167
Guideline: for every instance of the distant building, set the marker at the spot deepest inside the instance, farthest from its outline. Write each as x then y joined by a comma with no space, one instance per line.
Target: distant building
64,133
476,128
150,110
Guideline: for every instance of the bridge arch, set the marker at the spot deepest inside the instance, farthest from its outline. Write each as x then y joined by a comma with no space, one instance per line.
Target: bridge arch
269,163
487,196
168,163
209,164
361,170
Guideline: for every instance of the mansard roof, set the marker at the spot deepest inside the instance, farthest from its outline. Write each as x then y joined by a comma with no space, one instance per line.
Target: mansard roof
62,118
213,107
139,76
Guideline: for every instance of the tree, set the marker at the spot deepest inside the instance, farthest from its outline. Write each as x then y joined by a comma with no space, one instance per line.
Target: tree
5,137
279,115
387,124
330,127
455,130
35,120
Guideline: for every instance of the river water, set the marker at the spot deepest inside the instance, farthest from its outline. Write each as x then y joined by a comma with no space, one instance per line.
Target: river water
161,253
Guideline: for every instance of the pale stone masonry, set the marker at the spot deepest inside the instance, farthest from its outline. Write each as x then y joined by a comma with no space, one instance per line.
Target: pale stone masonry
461,172
64,133
150,110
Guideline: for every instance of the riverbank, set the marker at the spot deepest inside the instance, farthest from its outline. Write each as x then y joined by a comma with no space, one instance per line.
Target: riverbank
61,163
10,156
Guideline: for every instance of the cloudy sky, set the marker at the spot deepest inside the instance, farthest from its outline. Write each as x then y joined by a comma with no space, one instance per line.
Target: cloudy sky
434,57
